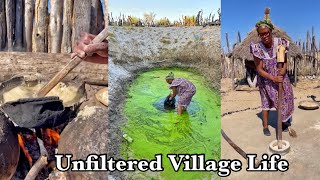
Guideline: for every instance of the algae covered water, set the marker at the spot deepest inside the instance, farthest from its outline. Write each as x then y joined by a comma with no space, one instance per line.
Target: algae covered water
156,130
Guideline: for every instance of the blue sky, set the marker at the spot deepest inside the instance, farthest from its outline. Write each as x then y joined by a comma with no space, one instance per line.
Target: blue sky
295,17
172,9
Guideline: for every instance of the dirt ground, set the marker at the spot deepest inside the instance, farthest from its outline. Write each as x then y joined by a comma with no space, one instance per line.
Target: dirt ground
245,129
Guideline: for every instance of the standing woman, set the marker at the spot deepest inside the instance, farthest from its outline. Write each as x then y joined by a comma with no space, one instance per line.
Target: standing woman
183,88
270,76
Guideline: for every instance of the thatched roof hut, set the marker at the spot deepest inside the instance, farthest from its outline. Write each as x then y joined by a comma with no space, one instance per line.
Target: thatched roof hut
242,50
242,58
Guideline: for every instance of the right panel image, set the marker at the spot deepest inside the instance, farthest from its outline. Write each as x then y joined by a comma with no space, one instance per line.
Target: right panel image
270,87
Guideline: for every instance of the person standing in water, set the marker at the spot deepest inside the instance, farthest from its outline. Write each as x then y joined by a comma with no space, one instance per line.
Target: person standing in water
270,76
183,88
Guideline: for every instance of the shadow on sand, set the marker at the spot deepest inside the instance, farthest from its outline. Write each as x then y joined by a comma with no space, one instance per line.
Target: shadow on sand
272,120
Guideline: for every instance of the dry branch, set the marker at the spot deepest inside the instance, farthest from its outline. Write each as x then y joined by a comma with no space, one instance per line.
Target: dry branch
55,26
66,46
19,25
3,27
28,24
40,30
97,18
10,17
81,18
106,20
36,168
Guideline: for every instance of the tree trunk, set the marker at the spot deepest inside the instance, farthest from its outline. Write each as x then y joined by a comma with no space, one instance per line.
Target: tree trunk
81,18
55,26
66,46
106,20
28,24
40,31
48,65
10,17
227,40
232,73
97,18
19,25
3,27
295,71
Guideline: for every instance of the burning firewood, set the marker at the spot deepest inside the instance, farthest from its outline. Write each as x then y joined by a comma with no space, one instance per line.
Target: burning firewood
36,168
35,149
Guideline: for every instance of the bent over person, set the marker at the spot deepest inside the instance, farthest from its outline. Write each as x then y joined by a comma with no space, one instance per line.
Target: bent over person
183,88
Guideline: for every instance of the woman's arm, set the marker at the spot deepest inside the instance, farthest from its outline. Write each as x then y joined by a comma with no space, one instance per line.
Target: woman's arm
174,92
263,73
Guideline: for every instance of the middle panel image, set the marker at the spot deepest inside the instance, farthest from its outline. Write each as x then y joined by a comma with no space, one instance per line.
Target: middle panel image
164,82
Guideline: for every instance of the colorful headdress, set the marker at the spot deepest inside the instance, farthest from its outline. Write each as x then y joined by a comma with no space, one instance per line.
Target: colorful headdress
266,20
170,76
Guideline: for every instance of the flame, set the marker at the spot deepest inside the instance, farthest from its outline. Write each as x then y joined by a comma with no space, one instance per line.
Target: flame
54,136
51,137
25,151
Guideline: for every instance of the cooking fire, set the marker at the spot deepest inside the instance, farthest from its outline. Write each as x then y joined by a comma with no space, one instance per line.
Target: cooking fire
36,124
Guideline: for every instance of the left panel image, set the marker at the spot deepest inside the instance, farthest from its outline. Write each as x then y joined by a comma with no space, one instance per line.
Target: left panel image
53,87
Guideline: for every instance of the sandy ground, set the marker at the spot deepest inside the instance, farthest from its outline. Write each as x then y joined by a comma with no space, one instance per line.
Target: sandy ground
245,129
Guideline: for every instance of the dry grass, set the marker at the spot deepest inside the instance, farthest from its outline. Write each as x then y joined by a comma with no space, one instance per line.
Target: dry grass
165,41
196,54
200,57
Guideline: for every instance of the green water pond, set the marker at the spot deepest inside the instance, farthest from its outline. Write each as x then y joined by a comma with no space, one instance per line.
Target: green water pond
156,130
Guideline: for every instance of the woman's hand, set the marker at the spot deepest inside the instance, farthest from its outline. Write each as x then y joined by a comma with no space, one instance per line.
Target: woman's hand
96,53
278,79
283,71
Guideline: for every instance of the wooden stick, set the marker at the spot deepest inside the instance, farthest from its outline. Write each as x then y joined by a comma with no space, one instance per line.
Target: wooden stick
36,168
69,67
281,60
295,71
227,40
236,147
232,73
233,145
40,28
67,21
10,18
279,113
106,20
97,83
28,24
3,26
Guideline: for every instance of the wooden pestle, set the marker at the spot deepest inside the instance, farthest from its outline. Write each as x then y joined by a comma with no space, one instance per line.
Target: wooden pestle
280,60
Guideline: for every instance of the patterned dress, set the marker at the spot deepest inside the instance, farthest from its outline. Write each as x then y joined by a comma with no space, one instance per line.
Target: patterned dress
269,89
185,91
